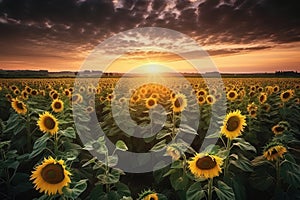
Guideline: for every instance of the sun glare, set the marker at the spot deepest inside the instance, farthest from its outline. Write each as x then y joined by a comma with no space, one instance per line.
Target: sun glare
154,68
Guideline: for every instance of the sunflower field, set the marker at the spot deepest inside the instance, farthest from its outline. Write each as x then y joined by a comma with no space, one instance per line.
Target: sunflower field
235,140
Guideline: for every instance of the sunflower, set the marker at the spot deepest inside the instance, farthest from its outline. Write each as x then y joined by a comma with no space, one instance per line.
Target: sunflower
210,99
173,152
266,107
232,95
151,103
152,196
201,100
260,89
17,92
51,176
77,98
48,123
9,97
252,113
286,95
277,129
155,95
262,98
13,88
67,92
269,90
148,195
89,109
205,165
274,151
24,94
202,92
233,124
28,89
57,105
54,95
179,103
251,106
135,98
172,96
34,92
110,97
276,88
19,106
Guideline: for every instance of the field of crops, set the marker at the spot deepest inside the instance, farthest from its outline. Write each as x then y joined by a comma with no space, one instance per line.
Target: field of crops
226,139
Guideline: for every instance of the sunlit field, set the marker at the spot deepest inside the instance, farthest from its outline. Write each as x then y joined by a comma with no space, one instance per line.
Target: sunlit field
229,139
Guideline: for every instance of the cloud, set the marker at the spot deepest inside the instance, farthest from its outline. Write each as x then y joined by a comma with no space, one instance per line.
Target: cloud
80,25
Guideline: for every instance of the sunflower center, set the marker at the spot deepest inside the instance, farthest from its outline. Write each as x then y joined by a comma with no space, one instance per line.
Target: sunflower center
206,163
286,95
55,95
262,98
231,94
49,122
200,99
75,97
209,99
201,93
151,102
135,98
178,102
20,105
152,198
233,123
279,129
53,173
57,105
274,151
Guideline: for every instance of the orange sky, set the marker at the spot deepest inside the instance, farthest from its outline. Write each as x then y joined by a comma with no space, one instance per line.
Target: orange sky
284,57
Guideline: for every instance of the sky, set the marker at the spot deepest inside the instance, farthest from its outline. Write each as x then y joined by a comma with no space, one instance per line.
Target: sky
240,36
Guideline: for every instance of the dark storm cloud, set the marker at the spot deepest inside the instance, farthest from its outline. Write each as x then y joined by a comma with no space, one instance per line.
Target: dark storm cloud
74,23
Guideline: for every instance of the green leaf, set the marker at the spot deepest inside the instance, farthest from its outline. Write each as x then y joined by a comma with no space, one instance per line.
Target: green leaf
260,179
121,145
178,180
75,189
290,173
96,192
163,133
159,146
39,145
20,183
214,135
69,132
112,160
195,192
187,129
212,148
122,189
224,192
243,145
241,162
110,178
239,188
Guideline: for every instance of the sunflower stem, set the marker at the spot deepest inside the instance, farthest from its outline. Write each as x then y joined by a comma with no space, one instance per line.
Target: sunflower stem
55,144
107,172
277,165
228,146
28,135
173,129
210,185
